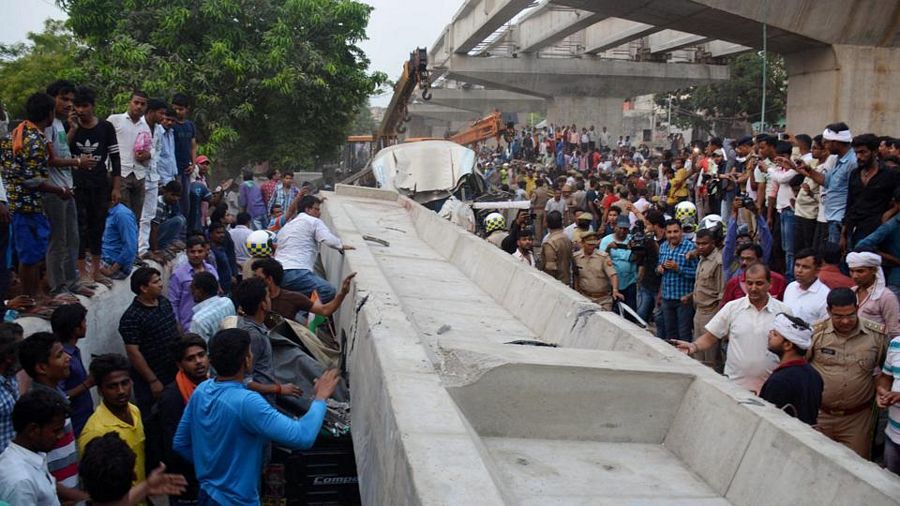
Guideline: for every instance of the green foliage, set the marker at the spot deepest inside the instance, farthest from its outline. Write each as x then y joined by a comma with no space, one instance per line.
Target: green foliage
278,80
715,107
26,68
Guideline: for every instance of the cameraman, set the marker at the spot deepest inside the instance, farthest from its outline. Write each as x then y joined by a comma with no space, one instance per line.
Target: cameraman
733,239
618,246
524,219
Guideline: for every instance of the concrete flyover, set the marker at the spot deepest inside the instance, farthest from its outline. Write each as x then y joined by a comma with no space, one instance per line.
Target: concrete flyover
843,57
446,411
585,91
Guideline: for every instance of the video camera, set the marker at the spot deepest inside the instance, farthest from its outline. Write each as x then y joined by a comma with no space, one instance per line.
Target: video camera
746,201
638,237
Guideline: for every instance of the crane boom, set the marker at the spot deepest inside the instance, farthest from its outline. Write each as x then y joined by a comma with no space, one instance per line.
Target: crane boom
415,74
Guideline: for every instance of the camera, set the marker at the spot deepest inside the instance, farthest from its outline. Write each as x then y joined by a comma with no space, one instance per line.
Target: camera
638,237
746,200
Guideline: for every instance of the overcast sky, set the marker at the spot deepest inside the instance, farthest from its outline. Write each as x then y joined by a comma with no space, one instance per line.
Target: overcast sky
396,27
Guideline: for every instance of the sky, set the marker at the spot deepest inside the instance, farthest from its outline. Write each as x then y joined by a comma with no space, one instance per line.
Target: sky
396,27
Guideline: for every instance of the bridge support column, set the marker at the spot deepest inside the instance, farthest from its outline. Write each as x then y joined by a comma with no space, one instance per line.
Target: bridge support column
587,111
854,84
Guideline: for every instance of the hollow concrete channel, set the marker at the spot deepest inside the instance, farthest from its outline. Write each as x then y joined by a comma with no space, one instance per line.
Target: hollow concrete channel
444,411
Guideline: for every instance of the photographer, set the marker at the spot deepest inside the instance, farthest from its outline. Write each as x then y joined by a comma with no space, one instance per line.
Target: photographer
618,246
524,219
733,239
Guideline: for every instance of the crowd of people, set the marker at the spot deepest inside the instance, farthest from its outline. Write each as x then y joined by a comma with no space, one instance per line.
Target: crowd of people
191,406
774,259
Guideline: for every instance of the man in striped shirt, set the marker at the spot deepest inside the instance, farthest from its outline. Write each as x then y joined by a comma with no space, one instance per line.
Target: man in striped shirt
887,394
42,356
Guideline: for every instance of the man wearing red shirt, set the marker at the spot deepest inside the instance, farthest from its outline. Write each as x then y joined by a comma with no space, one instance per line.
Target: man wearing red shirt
735,288
830,274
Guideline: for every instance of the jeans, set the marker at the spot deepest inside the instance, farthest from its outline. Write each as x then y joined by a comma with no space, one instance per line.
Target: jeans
63,249
170,230
891,456
787,242
646,300
305,281
678,319
834,232
203,499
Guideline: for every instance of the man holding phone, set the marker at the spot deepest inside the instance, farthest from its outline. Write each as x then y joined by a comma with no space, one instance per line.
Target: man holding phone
678,274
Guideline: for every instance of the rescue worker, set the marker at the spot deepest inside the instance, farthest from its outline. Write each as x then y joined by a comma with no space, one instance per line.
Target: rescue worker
595,276
846,350
556,250
495,228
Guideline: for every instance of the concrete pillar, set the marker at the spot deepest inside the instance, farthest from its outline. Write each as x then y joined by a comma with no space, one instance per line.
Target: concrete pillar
587,111
853,84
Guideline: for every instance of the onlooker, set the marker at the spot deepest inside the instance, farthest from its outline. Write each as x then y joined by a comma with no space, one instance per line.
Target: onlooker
95,139
133,135
38,419
678,273
219,245
156,110
869,193
167,164
875,302
42,356
25,158
285,192
830,273
888,396
735,288
120,243
61,213
69,324
148,329
193,369
9,387
251,202
794,386
845,351
108,471
209,308
185,134
239,235
267,189
169,224
115,413
199,199
886,239
835,181
618,246
225,426
745,322
183,274
806,295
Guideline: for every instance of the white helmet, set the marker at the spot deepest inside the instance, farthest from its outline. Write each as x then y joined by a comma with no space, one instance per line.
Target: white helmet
685,210
711,221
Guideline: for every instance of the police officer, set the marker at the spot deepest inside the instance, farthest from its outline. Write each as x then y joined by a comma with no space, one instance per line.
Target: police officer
595,275
556,250
539,199
846,350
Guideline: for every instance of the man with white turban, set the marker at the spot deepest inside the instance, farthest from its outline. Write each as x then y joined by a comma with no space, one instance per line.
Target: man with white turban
875,302
794,386
837,138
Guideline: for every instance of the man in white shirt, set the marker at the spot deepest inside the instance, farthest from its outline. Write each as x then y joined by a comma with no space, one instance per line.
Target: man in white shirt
156,111
806,295
38,419
298,247
130,127
781,174
239,235
746,322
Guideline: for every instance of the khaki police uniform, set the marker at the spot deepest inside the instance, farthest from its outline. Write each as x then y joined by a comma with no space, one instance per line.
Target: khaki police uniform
709,285
538,202
847,365
593,277
556,251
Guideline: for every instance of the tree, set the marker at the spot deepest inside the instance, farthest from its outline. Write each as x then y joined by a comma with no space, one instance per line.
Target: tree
716,107
26,68
277,80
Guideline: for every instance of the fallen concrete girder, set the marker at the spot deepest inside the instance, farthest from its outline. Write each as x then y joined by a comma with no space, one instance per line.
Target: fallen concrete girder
445,412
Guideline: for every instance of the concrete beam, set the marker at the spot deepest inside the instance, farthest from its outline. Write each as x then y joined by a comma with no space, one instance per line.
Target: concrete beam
670,40
486,101
614,32
588,77
477,19
720,48
791,23
441,112
550,25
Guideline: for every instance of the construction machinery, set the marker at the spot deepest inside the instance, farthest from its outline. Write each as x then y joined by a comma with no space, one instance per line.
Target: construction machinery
415,74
